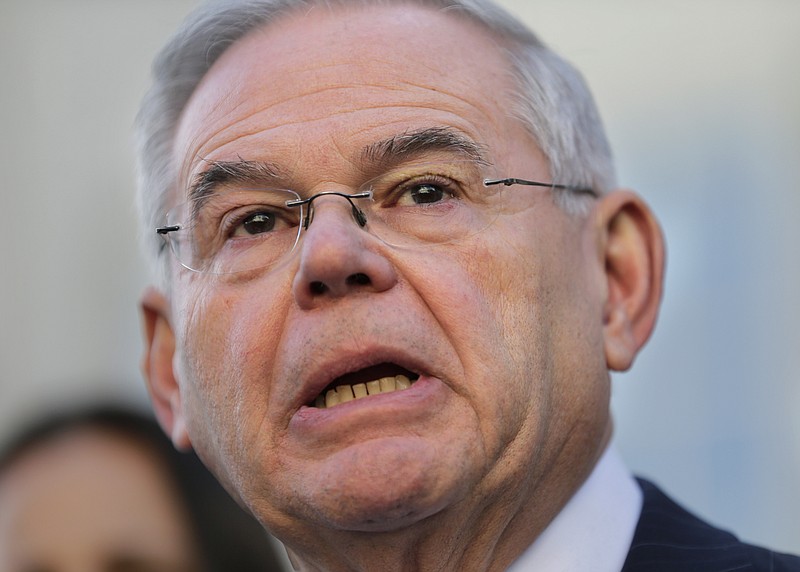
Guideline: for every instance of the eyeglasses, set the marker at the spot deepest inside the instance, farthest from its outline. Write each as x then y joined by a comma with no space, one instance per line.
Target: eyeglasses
413,205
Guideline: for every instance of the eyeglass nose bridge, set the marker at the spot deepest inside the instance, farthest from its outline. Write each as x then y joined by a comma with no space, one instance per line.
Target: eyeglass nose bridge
358,214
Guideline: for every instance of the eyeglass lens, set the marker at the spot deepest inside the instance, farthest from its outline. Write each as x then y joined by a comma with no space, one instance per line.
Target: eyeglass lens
410,206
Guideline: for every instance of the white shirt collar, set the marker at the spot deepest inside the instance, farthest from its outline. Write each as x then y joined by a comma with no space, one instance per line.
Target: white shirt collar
595,528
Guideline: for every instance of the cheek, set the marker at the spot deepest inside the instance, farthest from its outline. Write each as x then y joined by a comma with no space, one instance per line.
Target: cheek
230,333
544,331
556,306
228,342
464,291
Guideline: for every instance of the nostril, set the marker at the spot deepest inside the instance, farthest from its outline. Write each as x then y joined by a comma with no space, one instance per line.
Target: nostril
359,278
317,287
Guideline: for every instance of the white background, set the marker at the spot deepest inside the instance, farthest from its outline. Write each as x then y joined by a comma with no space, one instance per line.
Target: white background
701,99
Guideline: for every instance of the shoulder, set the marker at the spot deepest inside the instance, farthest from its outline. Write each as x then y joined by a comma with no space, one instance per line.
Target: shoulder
670,538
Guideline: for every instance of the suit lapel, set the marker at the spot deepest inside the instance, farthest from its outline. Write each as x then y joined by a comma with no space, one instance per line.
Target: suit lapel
668,538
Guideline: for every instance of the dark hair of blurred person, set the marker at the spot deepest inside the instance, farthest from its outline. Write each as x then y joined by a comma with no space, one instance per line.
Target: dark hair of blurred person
101,489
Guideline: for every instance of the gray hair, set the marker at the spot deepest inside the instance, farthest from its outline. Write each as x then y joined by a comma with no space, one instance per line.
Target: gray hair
553,101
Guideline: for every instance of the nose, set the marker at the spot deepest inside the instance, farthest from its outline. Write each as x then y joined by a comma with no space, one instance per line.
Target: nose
337,257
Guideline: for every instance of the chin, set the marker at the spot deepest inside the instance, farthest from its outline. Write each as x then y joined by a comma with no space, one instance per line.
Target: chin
371,516
383,485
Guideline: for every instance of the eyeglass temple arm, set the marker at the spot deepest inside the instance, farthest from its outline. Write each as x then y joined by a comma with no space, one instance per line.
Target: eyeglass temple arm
167,229
513,181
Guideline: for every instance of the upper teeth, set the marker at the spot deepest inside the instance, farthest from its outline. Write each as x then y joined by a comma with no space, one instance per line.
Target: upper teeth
344,393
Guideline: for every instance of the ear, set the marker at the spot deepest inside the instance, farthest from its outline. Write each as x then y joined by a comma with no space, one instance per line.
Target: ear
158,369
632,252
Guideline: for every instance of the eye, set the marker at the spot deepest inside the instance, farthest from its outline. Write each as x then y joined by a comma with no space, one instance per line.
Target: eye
426,190
426,193
255,223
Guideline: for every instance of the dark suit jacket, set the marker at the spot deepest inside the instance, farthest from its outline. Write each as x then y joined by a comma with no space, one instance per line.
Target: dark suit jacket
670,539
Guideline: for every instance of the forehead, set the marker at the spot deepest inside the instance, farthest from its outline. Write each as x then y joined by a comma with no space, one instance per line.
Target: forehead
320,85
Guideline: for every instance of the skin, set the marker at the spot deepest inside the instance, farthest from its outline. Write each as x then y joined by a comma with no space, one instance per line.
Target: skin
512,330
91,502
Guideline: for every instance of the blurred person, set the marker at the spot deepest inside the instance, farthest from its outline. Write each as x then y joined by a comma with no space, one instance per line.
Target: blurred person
101,489
394,273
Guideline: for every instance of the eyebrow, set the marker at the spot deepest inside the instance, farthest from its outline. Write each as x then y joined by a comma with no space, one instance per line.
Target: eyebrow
417,143
220,173
380,154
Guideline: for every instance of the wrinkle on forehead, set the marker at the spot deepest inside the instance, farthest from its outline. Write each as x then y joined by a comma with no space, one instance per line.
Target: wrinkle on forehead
407,59
315,110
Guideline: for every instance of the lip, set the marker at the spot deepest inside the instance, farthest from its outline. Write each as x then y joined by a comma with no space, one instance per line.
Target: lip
324,372
412,406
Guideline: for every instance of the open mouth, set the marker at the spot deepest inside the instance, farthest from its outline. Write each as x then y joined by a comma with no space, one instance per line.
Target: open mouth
382,378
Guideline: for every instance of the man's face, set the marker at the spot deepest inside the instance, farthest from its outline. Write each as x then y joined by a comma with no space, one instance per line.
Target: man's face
502,328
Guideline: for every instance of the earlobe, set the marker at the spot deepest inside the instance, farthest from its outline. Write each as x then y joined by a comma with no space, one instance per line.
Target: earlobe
632,252
158,369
